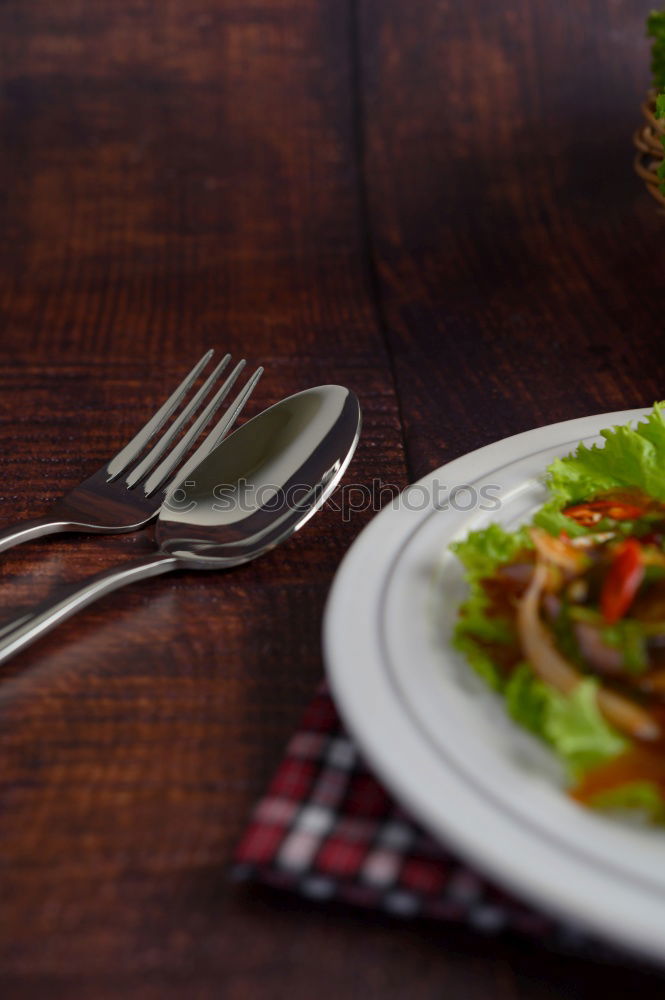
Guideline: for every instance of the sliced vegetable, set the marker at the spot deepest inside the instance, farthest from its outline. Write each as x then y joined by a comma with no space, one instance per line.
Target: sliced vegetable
635,765
536,641
589,514
597,652
559,551
553,668
622,581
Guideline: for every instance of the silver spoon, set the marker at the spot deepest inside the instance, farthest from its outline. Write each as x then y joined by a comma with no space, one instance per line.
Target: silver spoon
253,491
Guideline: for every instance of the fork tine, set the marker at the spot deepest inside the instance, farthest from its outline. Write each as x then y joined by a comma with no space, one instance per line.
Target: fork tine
218,432
169,464
221,429
126,455
150,460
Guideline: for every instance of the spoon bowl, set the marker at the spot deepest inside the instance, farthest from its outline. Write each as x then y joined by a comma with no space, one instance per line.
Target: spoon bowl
263,482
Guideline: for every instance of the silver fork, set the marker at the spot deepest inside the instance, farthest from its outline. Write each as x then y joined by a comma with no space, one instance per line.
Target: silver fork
127,493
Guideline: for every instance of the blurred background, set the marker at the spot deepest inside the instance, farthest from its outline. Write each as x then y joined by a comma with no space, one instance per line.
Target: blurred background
432,202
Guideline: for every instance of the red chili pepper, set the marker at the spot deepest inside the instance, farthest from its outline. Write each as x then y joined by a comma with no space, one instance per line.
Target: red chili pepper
622,581
588,514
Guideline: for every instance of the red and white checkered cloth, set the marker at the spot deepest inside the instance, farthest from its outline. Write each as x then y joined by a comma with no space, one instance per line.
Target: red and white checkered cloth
327,829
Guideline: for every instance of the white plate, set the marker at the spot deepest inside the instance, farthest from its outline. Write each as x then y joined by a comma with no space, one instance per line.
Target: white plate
441,741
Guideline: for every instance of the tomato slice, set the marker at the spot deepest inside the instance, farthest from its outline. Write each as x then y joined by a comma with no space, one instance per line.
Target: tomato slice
622,582
588,514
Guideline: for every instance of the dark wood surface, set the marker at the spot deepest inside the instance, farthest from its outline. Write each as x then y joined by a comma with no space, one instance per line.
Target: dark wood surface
431,202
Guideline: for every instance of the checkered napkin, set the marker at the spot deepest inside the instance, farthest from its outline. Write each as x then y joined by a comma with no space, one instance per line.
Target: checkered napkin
327,829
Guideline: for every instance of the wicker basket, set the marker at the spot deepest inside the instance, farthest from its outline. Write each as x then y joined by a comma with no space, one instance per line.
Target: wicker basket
649,143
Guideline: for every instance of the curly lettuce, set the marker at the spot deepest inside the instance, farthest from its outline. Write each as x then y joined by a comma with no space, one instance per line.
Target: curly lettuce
629,457
572,725
481,553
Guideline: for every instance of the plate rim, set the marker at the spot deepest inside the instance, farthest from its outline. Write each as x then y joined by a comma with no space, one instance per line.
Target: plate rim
353,693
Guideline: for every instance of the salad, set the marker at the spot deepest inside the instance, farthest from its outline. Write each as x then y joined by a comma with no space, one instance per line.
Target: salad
566,617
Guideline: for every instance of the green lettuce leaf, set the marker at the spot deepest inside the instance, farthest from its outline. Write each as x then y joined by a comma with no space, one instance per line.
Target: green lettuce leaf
527,700
479,624
481,552
640,798
629,457
475,628
477,658
577,730
572,725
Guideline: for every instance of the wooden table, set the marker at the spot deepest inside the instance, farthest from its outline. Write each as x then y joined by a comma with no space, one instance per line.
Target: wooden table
429,201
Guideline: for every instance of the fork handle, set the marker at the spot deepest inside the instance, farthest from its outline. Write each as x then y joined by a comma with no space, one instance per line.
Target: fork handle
26,629
25,531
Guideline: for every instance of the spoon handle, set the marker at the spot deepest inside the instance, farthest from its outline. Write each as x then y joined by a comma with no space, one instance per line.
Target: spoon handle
29,627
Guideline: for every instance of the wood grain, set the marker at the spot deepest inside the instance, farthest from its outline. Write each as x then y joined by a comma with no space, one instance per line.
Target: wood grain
512,242
429,202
